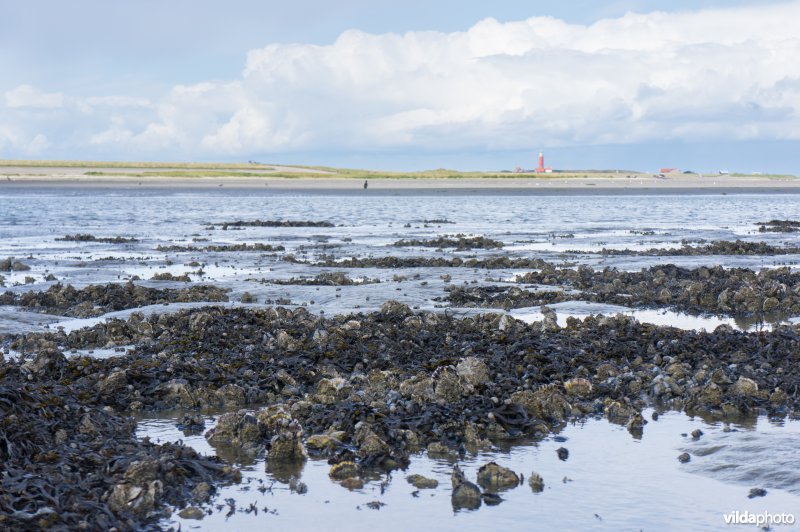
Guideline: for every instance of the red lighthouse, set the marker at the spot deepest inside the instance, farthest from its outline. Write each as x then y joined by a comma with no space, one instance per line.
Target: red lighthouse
541,168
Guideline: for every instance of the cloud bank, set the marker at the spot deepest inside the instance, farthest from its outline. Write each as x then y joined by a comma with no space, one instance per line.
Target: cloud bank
722,74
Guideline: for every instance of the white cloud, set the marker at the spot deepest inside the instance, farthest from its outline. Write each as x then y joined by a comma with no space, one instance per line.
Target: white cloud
721,74
17,142
27,96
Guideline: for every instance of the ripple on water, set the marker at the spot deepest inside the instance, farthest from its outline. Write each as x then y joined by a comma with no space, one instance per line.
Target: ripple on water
611,481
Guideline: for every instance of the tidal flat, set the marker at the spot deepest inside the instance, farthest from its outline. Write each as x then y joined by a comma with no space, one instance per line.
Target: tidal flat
223,358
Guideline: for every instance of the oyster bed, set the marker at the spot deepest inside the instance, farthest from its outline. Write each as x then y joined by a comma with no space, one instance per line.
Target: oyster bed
393,362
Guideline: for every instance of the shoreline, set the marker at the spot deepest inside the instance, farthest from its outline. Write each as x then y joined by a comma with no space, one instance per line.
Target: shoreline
486,185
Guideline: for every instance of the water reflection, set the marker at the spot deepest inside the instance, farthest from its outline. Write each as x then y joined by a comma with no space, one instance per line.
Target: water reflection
611,480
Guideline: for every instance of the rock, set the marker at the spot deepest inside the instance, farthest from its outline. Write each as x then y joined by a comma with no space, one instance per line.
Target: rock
457,476
546,403
771,303
231,395
491,499
549,319
719,377
247,297
177,392
192,512
447,385
114,383
778,398
344,470
636,425
117,333
757,492
287,445
618,412
711,395
409,441
745,387
684,457
136,499
418,388
192,423
142,471
563,453
322,442
140,491
238,429
199,321
466,495
438,448
421,482
696,433
202,492
330,391
473,371
536,482
494,477
273,418
47,362
87,426
352,483
369,444
298,487
395,309
472,439
578,387
506,323
373,445
61,436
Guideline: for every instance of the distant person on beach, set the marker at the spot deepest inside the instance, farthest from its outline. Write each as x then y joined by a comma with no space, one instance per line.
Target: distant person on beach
365,184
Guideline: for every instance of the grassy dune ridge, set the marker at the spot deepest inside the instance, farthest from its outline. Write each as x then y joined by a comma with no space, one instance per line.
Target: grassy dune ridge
272,171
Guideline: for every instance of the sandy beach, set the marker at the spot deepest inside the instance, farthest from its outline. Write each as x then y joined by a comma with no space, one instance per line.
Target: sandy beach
36,178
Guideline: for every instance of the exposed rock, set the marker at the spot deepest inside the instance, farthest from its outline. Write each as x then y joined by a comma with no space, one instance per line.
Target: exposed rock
329,391
47,362
536,482
438,448
138,500
202,492
467,496
546,403
473,371
352,483
578,387
192,512
114,383
322,442
745,387
636,424
447,385
344,470
421,482
418,388
494,477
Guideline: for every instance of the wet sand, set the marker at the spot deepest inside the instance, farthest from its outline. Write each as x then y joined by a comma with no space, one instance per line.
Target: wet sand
53,179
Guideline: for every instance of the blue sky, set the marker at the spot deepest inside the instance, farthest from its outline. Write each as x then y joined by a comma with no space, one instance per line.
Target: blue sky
405,85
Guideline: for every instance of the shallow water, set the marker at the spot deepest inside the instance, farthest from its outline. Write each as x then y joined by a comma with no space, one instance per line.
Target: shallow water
611,481
366,226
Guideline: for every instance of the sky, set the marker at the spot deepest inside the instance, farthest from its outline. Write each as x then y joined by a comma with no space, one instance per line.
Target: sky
470,85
